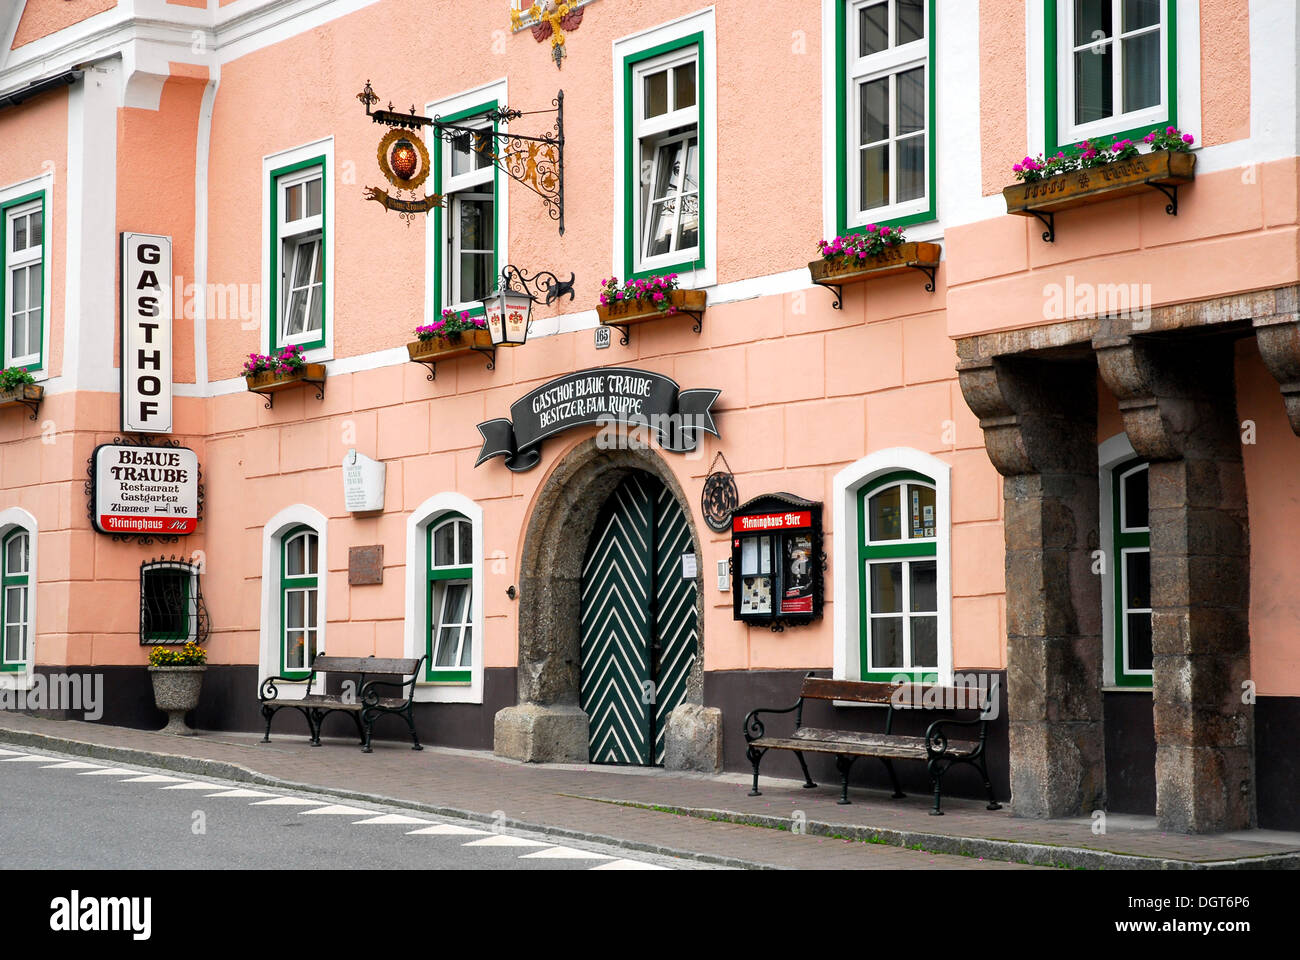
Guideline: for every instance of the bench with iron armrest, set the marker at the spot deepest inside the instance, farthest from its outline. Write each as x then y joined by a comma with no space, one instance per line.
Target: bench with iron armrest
363,703
847,746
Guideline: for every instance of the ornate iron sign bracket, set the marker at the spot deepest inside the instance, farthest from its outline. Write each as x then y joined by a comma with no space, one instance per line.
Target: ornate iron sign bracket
537,162
543,287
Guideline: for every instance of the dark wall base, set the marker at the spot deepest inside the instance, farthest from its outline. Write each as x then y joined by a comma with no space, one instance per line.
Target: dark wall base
1130,752
736,692
1277,764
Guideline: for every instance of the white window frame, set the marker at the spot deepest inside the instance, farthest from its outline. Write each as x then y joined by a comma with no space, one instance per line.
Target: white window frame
24,259
655,129
458,103
43,184
1068,130
12,520
707,88
270,163
271,628
291,235
1111,454
466,186
845,489
426,516
887,63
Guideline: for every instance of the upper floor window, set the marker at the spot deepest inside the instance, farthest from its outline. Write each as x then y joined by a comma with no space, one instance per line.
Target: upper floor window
470,191
885,112
666,130
1112,68
897,560
298,254
16,601
22,280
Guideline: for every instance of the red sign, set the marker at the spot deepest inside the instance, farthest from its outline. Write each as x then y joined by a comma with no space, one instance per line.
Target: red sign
771,521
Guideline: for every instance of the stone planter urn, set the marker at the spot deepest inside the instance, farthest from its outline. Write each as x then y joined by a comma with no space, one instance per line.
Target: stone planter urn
176,693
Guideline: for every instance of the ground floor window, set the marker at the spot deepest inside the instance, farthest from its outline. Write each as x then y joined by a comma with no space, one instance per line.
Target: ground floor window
1130,575
450,630
16,600
299,600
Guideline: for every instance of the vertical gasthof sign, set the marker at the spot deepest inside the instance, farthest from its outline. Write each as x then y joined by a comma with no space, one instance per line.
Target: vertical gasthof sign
146,333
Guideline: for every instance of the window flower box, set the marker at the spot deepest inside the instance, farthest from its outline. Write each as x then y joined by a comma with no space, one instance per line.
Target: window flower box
458,343
642,301
270,382
27,395
847,270
1163,170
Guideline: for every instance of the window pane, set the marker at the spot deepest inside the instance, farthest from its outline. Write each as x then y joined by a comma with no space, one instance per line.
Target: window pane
311,639
911,168
1136,504
484,148
909,25
656,94
475,224
1142,71
444,545
315,315
475,275
874,96
921,511
1092,21
1137,580
660,240
20,233
467,648
454,605
882,510
15,605
34,281
668,168
925,594
1140,13
295,610
874,186
295,650
310,541
302,263
925,641
313,197
873,29
1139,641
20,291
1093,82
911,101
448,640
684,86
295,564
16,555
886,643
293,203
886,587
35,228
460,160
465,549
764,554
312,622
14,644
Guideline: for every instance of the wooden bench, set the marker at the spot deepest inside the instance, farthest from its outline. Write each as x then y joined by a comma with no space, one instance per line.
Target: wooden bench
847,746
362,702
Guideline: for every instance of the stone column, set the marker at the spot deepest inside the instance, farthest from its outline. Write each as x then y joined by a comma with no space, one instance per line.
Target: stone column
1039,419
1178,400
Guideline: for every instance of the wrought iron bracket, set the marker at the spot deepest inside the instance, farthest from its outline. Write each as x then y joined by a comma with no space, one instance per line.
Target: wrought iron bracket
929,271
1171,194
1048,219
270,394
489,352
31,404
626,328
839,294
542,287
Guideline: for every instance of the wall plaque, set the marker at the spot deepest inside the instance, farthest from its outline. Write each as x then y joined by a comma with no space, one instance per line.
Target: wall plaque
363,482
365,565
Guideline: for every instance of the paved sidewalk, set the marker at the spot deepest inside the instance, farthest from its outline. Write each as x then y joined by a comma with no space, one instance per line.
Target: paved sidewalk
707,818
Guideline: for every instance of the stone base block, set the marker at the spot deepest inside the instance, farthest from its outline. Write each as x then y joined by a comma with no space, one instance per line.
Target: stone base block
541,734
693,739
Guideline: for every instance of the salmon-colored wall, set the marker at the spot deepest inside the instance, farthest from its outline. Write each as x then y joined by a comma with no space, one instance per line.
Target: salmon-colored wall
43,17
1003,67
155,189
1225,71
34,141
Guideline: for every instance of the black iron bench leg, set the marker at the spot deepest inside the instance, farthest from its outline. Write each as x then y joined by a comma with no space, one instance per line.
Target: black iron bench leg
993,803
356,718
807,779
268,712
893,777
368,722
844,765
754,757
936,774
314,720
410,722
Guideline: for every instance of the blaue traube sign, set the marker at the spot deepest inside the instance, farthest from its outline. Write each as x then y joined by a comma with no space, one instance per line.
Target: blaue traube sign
602,396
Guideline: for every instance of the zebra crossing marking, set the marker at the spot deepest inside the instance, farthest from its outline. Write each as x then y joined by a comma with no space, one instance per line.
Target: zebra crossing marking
335,810
392,818
447,830
72,765
505,840
153,778
565,853
240,792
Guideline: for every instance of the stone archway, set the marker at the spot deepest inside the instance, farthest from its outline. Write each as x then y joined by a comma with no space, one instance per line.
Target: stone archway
547,725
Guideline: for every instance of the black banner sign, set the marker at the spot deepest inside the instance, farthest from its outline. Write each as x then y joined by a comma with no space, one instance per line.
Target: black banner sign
604,395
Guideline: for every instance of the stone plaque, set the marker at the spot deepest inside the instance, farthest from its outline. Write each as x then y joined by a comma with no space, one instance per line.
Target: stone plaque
363,483
365,565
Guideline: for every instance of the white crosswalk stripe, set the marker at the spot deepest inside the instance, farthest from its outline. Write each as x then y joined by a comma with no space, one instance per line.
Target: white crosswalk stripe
288,802
335,810
629,865
505,840
153,778
447,830
109,772
74,765
566,853
240,792
25,758
189,785
392,818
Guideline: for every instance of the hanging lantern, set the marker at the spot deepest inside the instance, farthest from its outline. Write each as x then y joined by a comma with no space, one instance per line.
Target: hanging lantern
508,315
404,159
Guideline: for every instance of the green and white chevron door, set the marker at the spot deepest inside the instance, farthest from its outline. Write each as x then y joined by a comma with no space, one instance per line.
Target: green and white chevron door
640,632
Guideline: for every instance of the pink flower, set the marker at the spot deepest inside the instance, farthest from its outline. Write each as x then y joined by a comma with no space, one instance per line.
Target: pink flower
1171,130
1188,138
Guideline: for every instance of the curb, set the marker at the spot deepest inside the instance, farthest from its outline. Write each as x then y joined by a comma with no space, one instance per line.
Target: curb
225,770
1018,851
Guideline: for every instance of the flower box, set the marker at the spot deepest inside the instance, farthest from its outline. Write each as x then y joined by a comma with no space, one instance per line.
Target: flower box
1164,170
627,312
460,344
841,272
270,382
27,395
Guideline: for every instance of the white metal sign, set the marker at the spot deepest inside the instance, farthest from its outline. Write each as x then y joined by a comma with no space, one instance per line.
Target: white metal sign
146,333
363,482
146,489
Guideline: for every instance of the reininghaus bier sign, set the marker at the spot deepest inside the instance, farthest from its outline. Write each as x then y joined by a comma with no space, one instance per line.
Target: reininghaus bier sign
145,490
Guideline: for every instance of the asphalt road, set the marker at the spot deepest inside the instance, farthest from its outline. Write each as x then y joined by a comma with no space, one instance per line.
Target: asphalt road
65,813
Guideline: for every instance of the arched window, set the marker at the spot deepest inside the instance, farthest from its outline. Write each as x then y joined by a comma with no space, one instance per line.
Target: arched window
897,547
300,610
450,629
16,601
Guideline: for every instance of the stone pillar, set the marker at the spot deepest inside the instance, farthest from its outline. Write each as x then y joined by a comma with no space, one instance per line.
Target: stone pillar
1178,400
1040,425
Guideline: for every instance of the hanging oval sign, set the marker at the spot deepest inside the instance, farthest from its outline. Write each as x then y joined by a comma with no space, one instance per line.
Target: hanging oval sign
719,500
